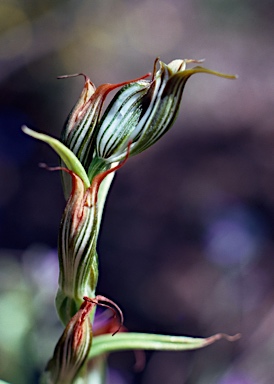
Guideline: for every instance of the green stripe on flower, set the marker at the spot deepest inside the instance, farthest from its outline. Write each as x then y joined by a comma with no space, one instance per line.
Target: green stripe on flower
81,128
144,112
125,108
77,250
77,241
72,349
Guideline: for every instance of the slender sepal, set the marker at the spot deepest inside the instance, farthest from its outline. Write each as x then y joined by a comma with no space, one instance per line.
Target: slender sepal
129,341
67,156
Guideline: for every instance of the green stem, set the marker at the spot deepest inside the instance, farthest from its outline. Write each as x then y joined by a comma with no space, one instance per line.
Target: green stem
99,165
97,370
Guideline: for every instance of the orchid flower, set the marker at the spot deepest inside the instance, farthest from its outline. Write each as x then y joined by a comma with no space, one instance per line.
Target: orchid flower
144,111
72,350
91,149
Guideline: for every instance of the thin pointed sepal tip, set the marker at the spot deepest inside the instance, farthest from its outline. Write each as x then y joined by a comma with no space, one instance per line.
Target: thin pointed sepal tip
28,131
43,165
25,129
31,132
48,168
72,75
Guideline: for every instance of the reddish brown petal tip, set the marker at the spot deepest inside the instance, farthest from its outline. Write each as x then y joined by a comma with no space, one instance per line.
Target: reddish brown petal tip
219,336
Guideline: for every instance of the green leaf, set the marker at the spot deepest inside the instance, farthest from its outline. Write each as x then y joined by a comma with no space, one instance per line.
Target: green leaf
129,340
64,152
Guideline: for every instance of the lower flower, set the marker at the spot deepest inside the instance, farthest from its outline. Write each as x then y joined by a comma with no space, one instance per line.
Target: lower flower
72,349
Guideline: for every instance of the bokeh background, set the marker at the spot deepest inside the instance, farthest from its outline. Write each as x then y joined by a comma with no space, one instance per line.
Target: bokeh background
187,243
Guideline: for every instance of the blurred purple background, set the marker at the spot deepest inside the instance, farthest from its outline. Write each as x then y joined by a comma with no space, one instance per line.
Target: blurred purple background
187,243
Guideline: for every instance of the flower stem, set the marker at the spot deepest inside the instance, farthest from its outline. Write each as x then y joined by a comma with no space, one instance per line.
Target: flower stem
97,370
